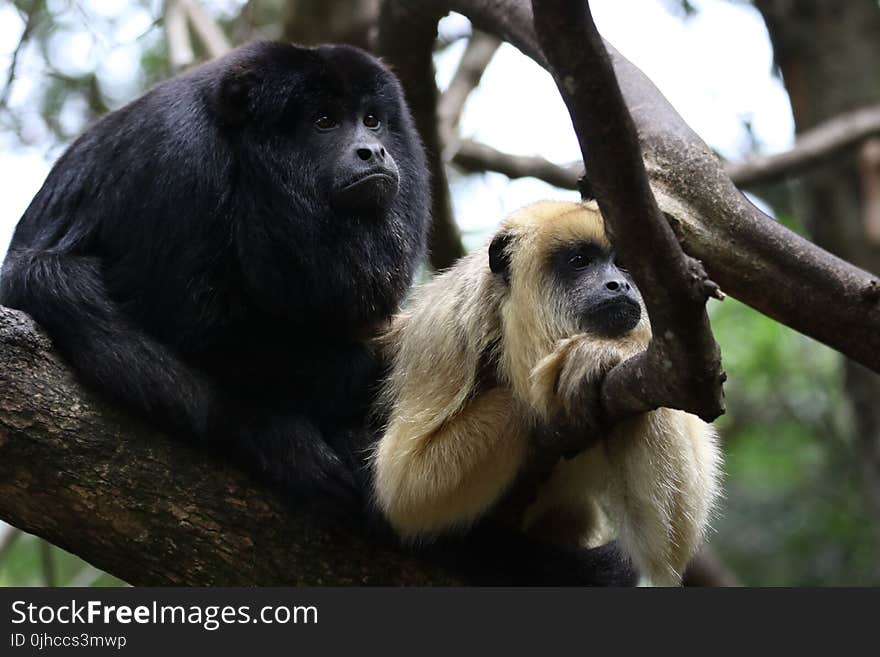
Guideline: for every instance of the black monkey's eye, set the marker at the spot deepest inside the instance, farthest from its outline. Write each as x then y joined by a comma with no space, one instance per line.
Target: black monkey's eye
371,121
579,261
325,122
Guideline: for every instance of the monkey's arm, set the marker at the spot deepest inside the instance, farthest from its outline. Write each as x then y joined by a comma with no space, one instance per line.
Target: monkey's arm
663,465
565,388
65,294
431,481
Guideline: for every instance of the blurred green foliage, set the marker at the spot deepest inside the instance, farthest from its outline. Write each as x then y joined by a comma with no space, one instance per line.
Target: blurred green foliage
793,512
30,561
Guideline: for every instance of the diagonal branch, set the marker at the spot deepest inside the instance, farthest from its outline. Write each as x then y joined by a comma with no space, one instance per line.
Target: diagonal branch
30,23
180,50
811,148
207,29
477,55
682,365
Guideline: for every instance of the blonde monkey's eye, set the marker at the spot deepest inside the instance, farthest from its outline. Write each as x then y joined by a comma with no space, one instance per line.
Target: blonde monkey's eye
371,121
325,122
578,261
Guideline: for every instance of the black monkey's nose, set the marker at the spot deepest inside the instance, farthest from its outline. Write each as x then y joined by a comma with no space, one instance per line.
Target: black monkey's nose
616,286
367,153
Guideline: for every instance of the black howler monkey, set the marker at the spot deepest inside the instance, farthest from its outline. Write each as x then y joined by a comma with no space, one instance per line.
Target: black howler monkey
214,255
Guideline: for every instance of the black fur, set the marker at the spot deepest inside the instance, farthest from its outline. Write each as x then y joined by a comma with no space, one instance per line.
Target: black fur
187,259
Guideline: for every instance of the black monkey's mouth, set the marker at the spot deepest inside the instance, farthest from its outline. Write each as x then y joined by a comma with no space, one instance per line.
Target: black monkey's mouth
374,188
614,317
369,178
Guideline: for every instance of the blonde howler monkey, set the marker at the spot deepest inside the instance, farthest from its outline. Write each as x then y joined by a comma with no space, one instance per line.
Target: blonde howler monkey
501,358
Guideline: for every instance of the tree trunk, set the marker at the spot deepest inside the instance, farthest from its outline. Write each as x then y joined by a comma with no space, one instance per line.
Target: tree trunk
829,54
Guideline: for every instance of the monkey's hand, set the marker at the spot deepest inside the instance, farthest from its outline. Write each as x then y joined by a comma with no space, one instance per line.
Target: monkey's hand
290,454
566,390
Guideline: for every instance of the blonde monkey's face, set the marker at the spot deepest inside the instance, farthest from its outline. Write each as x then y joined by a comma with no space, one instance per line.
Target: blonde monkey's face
579,279
596,290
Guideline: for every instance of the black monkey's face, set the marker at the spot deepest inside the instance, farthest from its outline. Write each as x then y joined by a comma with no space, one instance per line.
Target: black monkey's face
336,183
356,167
596,288
330,118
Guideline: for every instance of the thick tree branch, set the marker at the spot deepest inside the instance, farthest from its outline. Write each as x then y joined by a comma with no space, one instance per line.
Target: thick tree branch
747,253
682,365
147,509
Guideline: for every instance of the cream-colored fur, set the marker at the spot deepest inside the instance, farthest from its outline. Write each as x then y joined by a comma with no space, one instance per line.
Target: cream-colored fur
457,438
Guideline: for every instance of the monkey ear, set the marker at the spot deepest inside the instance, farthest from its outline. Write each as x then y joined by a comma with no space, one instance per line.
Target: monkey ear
234,95
499,257
586,188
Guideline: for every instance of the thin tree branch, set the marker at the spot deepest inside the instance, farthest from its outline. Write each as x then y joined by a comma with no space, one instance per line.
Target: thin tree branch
811,148
47,564
207,29
473,157
30,23
180,50
7,540
869,179
478,54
